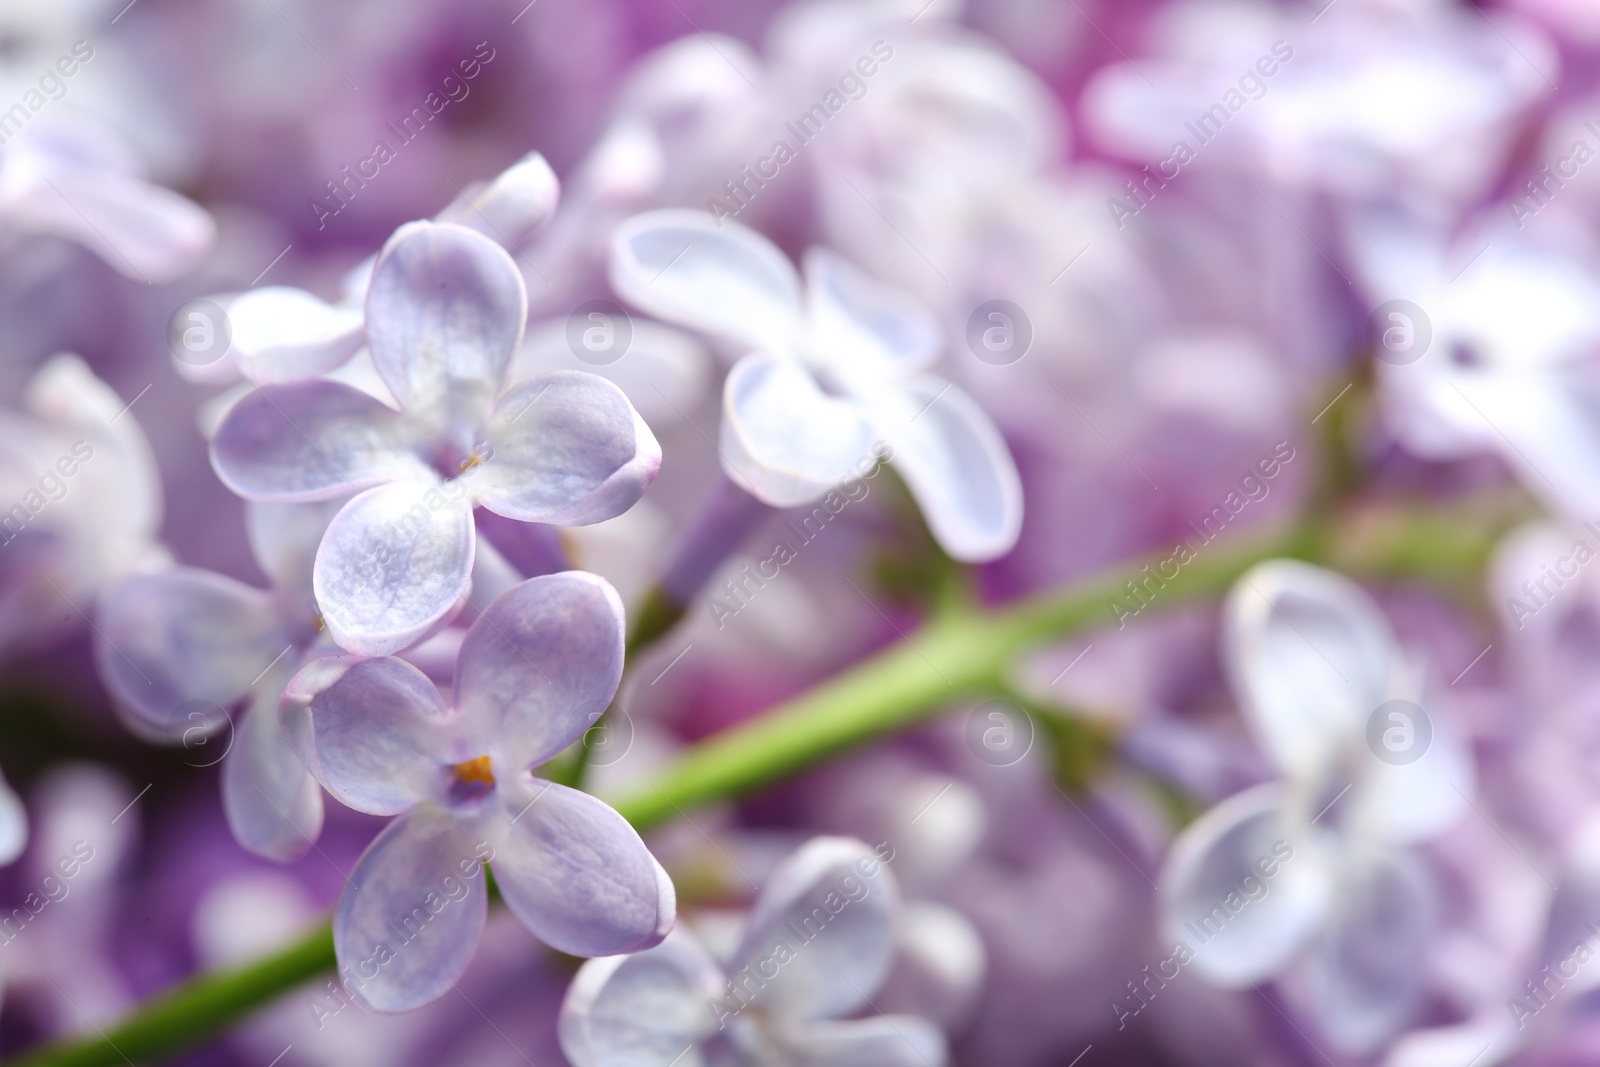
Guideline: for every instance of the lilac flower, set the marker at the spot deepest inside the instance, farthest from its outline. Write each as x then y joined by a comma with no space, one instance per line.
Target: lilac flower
828,375
279,333
80,503
444,314
76,179
180,648
1315,664
818,943
534,672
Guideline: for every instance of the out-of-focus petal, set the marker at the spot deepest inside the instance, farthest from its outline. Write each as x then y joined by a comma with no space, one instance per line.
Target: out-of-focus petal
863,332
1311,658
785,441
568,449
284,539
273,805
956,464
373,731
646,1009
409,921
513,205
280,334
394,565
445,311
13,824
180,642
311,440
664,371
881,1041
726,279
1368,972
539,667
826,917
1241,923
576,873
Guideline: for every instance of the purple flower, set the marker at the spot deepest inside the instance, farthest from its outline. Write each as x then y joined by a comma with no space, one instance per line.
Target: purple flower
533,672
179,648
445,312
818,944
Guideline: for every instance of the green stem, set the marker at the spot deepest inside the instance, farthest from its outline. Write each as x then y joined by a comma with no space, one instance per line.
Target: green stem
955,656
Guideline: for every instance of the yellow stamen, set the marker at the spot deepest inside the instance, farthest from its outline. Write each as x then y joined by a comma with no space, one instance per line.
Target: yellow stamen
475,772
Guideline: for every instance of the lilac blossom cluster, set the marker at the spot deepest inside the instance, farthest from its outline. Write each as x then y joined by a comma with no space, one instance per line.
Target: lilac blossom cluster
881,533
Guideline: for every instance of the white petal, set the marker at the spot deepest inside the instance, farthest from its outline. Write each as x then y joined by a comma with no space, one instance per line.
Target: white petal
445,311
409,921
1241,923
826,917
394,566
273,805
1311,657
13,824
664,371
1367,972
882,1041
1486,1041
647,1009
279,334
725,279
784,440
956,464
863,332
284,539
512,206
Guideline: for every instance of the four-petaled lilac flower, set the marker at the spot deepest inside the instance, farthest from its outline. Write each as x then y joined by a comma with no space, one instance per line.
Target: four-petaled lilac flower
445,312
1366,773
534,671
828,376
180,649
818,944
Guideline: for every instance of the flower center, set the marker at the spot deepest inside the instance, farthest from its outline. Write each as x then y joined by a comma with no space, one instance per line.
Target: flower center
471,779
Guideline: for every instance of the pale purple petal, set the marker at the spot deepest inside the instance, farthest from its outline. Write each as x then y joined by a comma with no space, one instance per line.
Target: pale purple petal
373,731
1242,891
882,1041
785,441
1310,656
568,449
183,641
826,918
512,206
409,922
13,824
664,371
273,805
956,464
394,565
539,667
311,440
863,332
1368,972
445,312
576,873
647,1009
279,334
723,278
284,539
